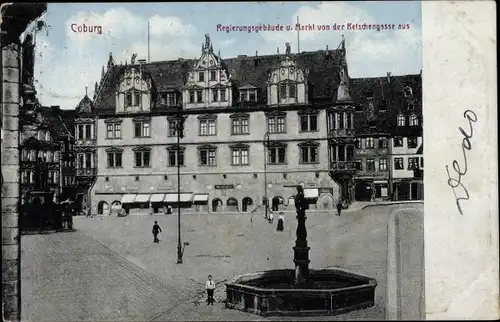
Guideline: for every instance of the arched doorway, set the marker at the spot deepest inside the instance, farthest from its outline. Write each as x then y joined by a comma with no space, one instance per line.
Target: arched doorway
116,206
232,205
276,202
102,208
247,201
363,191
326,202
216,203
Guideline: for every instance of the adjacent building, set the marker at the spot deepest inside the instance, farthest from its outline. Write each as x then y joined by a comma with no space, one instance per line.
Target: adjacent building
255,126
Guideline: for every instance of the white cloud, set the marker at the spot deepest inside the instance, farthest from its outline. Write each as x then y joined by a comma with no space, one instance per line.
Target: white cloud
63,70
227,43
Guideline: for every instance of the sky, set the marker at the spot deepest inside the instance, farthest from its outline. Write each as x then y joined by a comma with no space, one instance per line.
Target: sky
66,61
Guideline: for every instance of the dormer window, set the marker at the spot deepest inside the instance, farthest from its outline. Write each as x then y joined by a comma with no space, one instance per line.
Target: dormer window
411,106
171,99
40,135
213,75
413,120
383,105
138,97
201,76
191,96
129,99
401,121
287,90
199,96
408,91
215,95
47,136
248,95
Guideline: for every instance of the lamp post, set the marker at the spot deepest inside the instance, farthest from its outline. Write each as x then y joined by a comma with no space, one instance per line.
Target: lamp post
180,134
266,144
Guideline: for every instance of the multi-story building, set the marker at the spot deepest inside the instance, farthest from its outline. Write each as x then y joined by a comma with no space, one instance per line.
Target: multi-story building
254,126
389,131
85,145
229,105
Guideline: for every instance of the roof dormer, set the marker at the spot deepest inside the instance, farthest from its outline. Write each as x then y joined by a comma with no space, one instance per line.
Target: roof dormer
287,84
135,91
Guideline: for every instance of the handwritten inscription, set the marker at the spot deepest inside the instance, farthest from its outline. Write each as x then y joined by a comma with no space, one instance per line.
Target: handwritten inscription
455,182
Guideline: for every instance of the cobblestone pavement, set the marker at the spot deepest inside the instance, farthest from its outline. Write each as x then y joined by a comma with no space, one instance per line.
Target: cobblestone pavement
111,270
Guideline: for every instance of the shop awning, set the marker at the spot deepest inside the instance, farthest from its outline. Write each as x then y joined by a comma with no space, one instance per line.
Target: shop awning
128,198
157,197
311,193
200,199
379,181
142,198
172,197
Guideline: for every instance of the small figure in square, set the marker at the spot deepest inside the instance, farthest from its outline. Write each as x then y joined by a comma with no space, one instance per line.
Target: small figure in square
169,210
210,287
271,217
339,208
156,231
281,219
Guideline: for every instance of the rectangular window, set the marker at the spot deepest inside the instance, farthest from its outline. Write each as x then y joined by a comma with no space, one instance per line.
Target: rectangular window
398,141
252,96
207,157
142,129
81,161
422,162
109,131
201,76
292,91
88,160
215,95
171,99
349,120
88,131
276,155
142,158
282,91
128,101
412,142
370,165
412,163
370,143
80,132
213,75
243,95
223,95
240,156
172,158
359,164
172,128
138,98
308,123
382,164
207,127
398,164
191,96
382,143
308,154
341,120
239,126
114,159
199,96
118,131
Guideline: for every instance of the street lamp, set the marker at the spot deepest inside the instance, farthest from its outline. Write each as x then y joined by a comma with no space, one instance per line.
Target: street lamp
179,129
266,143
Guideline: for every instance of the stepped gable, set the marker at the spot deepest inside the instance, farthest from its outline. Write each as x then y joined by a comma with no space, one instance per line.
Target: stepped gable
323,78
392,94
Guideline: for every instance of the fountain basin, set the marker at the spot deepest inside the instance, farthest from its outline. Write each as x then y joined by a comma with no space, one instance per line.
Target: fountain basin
328,292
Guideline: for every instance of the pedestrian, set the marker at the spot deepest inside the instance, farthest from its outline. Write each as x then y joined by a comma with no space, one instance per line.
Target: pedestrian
339,208
169,210
156,231
281,219
210,287
271,217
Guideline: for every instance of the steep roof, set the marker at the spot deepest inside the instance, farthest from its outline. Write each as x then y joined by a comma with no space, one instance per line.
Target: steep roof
389,91
52,119
85,105
323,67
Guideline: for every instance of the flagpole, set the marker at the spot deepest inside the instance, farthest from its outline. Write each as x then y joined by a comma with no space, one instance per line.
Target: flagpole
149,60
298,36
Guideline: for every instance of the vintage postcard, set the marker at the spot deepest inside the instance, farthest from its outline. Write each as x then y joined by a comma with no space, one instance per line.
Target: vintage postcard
249,161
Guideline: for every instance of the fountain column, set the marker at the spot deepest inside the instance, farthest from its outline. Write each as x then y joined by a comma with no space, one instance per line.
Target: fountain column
301,250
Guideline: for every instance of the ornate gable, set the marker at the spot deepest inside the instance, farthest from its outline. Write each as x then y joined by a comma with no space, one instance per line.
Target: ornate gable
287,84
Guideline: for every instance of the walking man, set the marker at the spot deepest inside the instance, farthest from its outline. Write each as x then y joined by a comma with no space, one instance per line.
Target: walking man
156,231
210,287
339,208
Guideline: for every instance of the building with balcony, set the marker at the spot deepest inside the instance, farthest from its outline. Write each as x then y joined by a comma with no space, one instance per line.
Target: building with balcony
84,150
229,105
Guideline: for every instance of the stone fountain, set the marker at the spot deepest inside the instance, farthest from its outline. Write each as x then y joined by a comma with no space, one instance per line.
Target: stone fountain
301,291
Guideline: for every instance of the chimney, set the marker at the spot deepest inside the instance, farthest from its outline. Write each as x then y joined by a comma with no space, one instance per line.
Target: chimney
257,54
389,77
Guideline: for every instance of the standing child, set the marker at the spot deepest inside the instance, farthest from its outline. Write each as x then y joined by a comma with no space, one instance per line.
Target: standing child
210,287
156,231
281,219
271,217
